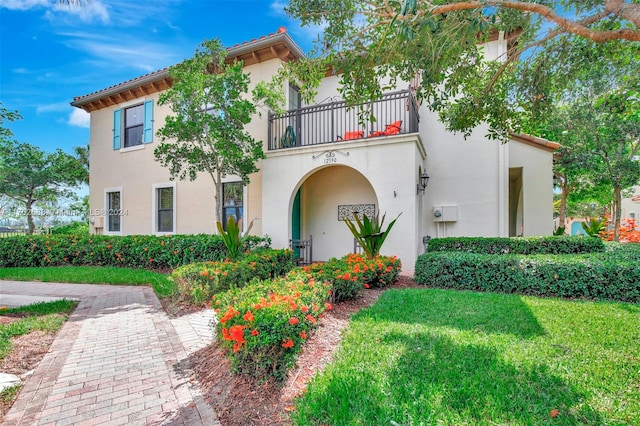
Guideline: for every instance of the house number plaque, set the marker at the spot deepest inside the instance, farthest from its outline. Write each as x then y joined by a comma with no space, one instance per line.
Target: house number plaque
330,158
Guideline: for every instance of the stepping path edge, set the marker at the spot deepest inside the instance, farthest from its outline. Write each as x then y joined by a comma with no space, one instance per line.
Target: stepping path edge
117,360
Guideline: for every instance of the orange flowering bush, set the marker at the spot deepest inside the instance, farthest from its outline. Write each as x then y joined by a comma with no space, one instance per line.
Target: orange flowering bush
197,282
264,325
629,231
351,273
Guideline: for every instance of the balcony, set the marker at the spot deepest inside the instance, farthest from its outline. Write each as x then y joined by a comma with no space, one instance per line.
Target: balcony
396,113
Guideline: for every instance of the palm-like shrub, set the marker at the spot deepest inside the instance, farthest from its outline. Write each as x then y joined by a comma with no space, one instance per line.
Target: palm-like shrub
369,233
231,237
594,226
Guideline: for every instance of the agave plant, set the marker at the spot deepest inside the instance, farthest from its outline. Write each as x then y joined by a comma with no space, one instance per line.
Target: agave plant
594,226
369,233
231,237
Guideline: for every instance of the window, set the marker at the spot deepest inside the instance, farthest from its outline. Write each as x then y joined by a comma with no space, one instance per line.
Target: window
232,201
164,205
114,209
133,125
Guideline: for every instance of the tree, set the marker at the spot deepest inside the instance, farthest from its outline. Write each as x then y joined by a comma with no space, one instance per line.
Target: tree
29,175
206,132
593,110
82,155
368,41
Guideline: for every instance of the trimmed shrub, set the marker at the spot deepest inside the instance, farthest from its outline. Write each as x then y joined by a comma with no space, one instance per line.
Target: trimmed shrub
592,276
197,282
134,251
518,245
73,228
264,325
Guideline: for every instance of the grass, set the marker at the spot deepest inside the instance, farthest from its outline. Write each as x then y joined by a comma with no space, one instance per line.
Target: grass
92,275
430,356
45,316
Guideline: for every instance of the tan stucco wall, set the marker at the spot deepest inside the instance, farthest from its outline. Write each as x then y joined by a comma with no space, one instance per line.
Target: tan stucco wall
135,171
629,206
388,165
537,187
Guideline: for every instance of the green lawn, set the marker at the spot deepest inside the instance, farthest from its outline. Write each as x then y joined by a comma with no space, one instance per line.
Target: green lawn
92,275
429,356
45,316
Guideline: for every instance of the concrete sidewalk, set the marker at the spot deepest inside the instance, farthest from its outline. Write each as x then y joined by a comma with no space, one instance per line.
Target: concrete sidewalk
119,360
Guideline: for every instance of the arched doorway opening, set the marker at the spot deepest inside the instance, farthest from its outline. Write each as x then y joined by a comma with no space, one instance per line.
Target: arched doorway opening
320,204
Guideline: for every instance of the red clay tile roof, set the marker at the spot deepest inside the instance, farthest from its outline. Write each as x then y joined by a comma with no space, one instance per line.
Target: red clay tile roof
535,140
234,51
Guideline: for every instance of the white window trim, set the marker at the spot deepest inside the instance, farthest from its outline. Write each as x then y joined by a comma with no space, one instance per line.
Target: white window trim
105,212
132,148
154,207
133,102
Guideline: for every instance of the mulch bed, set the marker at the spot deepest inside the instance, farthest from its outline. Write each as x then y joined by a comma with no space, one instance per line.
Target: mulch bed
238,401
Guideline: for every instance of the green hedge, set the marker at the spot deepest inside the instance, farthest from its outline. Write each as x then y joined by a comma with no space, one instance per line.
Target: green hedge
592,276
264,325
135,251
519,245
197,282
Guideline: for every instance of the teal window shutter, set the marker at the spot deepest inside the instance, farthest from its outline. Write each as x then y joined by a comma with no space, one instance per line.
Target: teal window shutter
148,122
117,128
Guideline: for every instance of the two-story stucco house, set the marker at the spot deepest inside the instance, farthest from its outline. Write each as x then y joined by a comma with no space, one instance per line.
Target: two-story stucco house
320,166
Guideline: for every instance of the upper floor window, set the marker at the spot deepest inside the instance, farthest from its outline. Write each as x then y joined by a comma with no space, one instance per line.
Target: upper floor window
133,125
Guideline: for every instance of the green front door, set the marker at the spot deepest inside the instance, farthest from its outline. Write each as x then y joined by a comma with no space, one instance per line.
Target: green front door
295,222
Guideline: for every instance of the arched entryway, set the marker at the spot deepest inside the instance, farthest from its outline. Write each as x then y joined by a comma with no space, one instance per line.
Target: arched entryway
321,202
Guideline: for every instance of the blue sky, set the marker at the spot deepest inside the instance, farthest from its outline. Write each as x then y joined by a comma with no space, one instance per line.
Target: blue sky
50,53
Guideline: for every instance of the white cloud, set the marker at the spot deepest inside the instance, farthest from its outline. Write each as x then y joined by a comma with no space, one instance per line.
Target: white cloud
20,70
87,12
130,52
23,4
59,106
79,118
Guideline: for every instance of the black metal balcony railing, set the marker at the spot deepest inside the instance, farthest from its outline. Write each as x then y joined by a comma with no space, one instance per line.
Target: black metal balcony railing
395,113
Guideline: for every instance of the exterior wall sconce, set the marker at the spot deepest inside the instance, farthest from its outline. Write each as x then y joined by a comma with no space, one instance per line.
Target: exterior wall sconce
424,181
556,181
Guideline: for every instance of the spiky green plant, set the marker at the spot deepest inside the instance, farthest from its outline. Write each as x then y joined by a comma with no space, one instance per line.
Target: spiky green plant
232,237
594,226
369,233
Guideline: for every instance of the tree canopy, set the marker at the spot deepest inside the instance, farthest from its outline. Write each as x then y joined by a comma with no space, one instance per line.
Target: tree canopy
591,105
211,105
28,175
368,41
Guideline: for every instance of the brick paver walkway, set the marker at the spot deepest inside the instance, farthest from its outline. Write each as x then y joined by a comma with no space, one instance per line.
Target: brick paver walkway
118,361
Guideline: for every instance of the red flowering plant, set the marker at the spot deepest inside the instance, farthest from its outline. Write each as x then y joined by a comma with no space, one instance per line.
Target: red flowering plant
629,231
380,271
264,325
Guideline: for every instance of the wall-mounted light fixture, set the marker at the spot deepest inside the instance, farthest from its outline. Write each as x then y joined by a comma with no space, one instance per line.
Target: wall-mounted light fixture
556,181
424,181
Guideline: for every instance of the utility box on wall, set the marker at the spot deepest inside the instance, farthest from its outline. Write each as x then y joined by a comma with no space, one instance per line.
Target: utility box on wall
445,214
